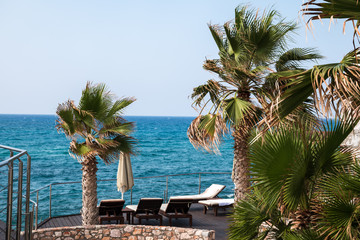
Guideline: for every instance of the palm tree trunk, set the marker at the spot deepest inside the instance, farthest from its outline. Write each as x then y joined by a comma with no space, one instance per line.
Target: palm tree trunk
241,164
89,212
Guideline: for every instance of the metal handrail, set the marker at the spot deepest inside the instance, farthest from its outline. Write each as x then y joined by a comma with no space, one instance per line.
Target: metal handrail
49,186
114,179
10,164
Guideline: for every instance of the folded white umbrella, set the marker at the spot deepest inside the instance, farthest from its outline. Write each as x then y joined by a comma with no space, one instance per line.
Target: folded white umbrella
125,179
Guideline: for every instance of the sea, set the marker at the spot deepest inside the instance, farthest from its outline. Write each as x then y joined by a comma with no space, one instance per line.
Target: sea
163,149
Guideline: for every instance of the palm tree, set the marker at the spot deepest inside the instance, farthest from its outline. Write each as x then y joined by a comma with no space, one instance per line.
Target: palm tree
248,48
305,186
96,130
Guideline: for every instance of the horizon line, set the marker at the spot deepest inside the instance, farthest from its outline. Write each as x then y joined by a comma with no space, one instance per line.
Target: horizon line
46,114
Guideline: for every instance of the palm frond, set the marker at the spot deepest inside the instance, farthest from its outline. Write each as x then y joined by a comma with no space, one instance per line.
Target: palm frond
255,219
238,111
211,88
332,85
65,122
306,234
218,37
288,161
206,132
118,107
292,59
96,100
276,163
349,10
327,151
109,149
117,128
340,216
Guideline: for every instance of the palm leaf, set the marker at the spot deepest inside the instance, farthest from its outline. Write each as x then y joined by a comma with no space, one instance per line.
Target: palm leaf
327,148
206,132
238,111
330,84
66,118
118,107
349,10
291,59
211,88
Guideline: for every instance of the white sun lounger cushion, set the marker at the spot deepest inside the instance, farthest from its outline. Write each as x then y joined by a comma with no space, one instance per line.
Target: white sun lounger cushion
218,202
210,192
164,207
132,207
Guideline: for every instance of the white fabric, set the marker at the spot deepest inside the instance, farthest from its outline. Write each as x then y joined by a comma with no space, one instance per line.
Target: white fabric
150,199
125,179
132,207
210,192
163,207
218,202
111,200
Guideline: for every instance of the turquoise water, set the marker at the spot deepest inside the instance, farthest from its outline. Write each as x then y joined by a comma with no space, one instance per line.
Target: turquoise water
163,149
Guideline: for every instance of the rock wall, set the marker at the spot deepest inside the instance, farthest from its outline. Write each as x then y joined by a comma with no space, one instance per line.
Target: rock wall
123,232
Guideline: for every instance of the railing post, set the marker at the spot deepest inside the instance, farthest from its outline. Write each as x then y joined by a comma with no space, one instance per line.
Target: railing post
31,224
37,209
9,199
19,200
199,183
27,203
131,196
50,201
167,188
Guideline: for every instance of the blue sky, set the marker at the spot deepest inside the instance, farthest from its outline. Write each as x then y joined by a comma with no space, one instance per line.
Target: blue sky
151,50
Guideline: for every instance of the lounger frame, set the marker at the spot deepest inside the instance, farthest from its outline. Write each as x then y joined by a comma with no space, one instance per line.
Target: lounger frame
148,208
177,208
111,209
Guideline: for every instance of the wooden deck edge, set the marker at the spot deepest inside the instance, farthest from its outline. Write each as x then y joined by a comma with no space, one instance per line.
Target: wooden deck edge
48,219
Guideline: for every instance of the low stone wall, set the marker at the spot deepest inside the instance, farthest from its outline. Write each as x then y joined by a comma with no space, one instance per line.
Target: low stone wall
123,232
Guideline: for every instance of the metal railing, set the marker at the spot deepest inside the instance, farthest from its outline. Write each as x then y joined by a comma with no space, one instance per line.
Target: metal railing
50,187
9,163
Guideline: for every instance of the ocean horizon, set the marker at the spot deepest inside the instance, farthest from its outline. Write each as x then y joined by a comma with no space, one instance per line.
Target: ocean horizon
162,149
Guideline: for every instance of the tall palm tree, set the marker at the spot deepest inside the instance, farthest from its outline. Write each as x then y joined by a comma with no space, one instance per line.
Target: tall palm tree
305,186
96,130
249,49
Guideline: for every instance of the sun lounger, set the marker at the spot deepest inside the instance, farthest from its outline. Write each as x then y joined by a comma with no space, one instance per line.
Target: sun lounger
216,203
209,193
147,208
110,209
176,208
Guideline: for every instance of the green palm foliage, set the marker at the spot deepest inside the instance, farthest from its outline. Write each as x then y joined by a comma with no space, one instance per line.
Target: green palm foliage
340,217
333,86
305,186
250,48
349,10
96,130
